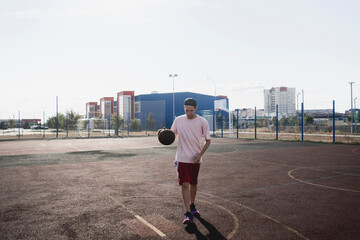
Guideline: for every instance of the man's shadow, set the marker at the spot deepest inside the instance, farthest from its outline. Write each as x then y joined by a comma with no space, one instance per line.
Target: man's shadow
214,234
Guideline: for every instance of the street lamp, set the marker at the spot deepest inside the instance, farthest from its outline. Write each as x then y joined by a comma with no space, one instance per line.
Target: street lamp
352,112
214,110
173,76
302,93
355,102
355,109
297,98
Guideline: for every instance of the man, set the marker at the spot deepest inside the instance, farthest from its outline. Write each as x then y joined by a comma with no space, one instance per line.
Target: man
190,128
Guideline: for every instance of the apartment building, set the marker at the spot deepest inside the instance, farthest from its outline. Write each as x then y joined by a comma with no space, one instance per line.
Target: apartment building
284,97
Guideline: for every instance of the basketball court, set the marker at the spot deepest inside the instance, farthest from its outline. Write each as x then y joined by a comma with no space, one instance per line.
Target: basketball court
126,188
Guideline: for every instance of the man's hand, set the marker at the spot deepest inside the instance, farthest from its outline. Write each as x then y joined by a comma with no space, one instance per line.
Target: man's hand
197,159
158,132
206,146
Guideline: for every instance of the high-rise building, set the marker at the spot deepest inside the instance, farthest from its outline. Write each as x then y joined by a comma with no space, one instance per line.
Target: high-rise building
284,97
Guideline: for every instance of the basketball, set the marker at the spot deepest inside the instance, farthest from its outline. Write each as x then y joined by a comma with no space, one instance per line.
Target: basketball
166,136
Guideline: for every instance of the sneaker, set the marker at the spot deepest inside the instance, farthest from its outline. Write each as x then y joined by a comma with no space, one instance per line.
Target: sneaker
188,218
193,210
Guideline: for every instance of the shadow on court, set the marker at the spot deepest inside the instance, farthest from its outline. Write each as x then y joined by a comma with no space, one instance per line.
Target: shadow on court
214,234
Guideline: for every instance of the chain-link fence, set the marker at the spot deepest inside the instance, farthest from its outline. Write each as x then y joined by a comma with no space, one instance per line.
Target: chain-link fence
71,125
311,125
306,125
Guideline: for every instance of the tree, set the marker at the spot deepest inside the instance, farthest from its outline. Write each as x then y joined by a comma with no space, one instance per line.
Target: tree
72,119
219,119
284,121
273,121
150,122
293,121
266,122
135,124
309,119
51,122
113,121
11,123
26,125
97,123
234,119
3,125
261,122
224,122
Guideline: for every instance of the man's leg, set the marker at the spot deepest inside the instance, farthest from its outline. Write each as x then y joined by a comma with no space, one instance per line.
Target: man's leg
193,210
185,190
184,181
193,190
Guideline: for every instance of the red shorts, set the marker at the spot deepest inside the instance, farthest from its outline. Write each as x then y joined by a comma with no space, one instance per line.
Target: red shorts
188,172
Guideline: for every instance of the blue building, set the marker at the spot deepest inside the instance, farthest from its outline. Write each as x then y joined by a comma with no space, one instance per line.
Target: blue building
160,105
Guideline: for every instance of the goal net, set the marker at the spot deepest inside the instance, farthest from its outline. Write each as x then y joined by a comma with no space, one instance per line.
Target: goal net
93,127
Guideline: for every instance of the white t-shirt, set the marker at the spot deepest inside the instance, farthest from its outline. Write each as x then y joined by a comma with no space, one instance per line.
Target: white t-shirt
189,132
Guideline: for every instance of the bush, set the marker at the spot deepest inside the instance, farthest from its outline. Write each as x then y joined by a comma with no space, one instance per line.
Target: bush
72,120
26,125
3,125
51,122
113,121
11,123
135,124
151,122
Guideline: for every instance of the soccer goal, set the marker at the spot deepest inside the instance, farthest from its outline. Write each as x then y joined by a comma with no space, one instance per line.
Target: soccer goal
93,127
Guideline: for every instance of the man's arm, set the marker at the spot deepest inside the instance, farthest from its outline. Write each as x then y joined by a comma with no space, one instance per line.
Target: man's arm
203,150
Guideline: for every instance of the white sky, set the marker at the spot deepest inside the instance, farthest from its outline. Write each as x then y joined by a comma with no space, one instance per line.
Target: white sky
82,50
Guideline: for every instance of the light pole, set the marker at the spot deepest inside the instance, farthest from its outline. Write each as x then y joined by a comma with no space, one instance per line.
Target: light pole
214,106
297,98
302,92
173,76
355,109
269,109
355,102
352,112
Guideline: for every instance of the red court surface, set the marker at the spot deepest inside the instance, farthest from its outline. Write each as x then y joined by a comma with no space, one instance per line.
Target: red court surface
127,189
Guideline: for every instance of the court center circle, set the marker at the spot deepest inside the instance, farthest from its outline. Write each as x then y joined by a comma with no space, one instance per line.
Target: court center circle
320,185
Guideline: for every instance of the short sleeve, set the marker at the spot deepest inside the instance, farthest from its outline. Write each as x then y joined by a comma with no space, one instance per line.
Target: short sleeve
174,127
206,131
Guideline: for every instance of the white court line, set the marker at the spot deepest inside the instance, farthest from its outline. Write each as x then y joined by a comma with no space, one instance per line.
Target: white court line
78,149
137,216
152,227
223,199
320,185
